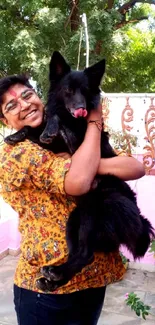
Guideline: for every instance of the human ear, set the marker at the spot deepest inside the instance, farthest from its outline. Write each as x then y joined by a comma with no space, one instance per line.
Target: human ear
5,122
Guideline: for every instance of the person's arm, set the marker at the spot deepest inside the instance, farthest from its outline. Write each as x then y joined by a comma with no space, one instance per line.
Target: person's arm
125,167
28,165
85,161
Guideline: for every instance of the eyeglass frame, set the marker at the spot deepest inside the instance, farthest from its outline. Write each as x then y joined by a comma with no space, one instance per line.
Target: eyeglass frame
18,103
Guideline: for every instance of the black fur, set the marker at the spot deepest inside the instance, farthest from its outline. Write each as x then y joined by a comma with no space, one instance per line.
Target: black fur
107,216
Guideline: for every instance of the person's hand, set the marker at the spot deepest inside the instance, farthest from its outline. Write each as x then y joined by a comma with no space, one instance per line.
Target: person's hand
95,114
64,155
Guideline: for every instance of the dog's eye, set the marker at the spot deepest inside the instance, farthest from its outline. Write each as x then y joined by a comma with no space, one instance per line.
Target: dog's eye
67,91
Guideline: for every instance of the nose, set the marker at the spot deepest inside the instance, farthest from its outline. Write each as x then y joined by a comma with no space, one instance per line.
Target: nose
24,105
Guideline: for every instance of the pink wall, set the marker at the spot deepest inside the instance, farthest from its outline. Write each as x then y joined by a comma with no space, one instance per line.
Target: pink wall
140,158
4,239
9,234
145,189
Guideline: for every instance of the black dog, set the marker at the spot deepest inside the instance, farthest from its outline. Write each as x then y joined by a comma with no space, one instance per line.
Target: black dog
105,217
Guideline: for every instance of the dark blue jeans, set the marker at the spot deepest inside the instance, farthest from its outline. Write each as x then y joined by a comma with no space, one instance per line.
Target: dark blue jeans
77,308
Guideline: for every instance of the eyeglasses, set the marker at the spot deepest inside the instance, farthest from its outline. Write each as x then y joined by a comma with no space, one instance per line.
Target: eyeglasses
14,106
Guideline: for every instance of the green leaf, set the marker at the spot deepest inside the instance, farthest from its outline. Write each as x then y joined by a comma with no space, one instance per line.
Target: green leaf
138,312
152,247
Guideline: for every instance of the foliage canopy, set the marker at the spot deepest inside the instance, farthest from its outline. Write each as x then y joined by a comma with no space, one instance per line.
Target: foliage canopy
31,30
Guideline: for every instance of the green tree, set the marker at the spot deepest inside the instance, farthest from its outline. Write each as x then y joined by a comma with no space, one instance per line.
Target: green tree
132,65
31,30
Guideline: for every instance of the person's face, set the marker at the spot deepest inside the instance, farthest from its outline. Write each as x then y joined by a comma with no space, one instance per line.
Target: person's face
21,106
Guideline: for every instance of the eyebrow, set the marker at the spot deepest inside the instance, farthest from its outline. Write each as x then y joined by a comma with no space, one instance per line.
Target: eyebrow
25,91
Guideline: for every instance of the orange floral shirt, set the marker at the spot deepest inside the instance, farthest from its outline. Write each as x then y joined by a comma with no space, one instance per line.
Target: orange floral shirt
32,182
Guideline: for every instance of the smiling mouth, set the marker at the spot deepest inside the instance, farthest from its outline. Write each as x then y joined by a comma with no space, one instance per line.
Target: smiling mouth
30,114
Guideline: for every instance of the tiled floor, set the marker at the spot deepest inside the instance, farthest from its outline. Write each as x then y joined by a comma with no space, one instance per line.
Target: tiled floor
115,311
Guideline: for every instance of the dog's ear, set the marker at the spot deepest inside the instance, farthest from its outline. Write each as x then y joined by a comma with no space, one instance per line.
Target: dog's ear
95,73
58,68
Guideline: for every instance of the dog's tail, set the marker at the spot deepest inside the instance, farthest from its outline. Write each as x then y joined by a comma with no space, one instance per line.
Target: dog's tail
138,231
128,225
144,239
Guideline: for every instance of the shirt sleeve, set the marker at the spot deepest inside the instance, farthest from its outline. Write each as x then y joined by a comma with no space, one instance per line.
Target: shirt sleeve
27,164
121,153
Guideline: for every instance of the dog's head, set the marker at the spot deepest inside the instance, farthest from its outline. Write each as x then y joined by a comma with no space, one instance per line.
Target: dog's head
78,90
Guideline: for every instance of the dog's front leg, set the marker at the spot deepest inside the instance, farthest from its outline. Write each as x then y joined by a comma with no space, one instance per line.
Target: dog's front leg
69,138
106,149
51,129
17,136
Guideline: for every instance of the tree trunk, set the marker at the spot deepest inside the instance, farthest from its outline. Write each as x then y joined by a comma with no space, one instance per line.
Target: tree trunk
74,16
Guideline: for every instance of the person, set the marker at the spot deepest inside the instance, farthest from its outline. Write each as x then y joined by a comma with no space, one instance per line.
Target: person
41,187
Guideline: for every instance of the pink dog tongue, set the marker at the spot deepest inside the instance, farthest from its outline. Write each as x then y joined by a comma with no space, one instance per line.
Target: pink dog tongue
80,112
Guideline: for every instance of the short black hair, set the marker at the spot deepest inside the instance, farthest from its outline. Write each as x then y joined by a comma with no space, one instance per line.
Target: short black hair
7,82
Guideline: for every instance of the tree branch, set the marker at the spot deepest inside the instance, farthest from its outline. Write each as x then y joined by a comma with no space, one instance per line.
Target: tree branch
74,15
124,22
123,9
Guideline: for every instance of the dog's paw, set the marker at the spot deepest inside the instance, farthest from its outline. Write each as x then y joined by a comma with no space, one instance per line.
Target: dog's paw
47,137
52,273
17,136
10,140
14,138
51,130
46,285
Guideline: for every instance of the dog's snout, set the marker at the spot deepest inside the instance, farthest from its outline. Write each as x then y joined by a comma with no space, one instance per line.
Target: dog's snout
80,105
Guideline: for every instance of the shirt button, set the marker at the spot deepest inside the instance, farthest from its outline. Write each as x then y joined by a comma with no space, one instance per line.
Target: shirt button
38,295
